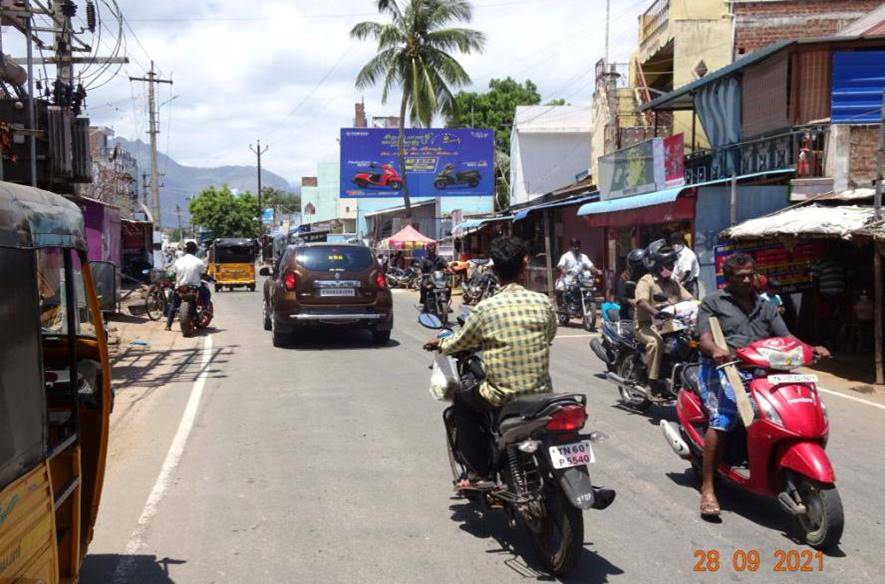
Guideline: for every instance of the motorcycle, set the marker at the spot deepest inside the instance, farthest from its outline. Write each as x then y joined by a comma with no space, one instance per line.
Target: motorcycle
782,452
192,314
578,299
401,277
437,294
482,284
388,178
541,463
629,367
448,178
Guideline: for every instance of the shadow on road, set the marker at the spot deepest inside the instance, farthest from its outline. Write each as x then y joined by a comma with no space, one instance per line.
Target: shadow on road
138,367
145,569
334,340
488,524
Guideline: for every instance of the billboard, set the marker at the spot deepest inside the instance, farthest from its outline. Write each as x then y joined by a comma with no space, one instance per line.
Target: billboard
645,167
439,163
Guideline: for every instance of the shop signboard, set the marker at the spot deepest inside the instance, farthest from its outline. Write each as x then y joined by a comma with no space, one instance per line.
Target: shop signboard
788,264
645,167
438,162
267,216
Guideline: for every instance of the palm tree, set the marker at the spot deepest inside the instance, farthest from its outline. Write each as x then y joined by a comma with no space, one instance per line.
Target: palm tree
414,54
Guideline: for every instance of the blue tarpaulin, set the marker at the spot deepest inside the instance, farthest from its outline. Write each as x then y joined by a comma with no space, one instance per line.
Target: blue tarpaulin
858,82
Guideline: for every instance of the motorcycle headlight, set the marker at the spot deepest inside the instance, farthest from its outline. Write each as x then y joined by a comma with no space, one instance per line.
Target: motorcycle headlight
768,411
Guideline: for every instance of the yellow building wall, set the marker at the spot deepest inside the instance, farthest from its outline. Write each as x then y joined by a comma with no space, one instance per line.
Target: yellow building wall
697,9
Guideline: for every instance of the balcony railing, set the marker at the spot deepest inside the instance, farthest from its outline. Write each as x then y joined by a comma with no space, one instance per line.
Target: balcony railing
801,149
653,20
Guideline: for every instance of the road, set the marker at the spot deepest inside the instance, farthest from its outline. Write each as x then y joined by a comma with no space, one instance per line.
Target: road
232,461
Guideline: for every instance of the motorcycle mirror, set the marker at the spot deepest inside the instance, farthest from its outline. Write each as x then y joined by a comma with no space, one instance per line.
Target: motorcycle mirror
429,320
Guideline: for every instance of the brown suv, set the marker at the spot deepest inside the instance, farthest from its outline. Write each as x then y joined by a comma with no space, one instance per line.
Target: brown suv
327,284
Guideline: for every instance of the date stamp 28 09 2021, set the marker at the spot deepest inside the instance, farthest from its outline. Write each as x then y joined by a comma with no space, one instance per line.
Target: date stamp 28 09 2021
752,560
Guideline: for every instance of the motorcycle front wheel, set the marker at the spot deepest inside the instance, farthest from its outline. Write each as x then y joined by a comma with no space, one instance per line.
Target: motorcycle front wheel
590,318
824,520
627,369
556,530
155,304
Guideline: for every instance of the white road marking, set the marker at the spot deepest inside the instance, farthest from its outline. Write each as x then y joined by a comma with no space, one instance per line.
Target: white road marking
852,398
583,336
137,540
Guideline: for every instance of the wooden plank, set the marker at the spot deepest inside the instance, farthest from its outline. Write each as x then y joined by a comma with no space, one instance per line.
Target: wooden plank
745,409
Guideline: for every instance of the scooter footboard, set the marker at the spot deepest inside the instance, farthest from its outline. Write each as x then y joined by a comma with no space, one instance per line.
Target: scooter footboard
808,459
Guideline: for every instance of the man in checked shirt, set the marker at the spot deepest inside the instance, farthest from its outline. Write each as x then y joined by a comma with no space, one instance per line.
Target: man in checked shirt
513,329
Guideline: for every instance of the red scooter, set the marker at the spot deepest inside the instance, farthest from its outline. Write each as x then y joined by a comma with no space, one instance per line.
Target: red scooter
781,454
388,178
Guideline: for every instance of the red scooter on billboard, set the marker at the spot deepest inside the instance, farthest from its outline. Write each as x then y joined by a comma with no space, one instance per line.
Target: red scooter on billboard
383,177
781,454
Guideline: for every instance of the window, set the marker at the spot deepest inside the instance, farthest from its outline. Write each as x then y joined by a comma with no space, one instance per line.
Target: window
52,289
335,259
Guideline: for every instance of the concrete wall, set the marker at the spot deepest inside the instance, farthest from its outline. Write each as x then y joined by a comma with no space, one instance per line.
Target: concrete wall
324,196
712,215
851,156
543,162
761,23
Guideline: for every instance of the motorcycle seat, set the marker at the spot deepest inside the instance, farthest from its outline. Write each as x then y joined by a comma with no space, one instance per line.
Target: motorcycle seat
691,378
532,406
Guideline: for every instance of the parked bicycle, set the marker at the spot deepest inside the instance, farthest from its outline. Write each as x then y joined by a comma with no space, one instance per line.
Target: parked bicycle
159,294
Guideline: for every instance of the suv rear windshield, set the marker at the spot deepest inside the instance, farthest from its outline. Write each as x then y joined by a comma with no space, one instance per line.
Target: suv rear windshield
334,259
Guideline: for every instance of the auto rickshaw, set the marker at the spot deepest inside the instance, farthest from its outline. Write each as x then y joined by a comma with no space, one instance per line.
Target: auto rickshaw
232,263
55,389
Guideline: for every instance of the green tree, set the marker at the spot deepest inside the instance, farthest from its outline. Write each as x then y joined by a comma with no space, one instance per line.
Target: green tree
414,53
493,109
284,201
224,213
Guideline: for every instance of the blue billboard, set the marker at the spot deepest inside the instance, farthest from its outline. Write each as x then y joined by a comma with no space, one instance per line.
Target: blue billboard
439,163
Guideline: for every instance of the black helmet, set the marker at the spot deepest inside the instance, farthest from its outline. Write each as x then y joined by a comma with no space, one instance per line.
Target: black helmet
636,260
663,256
651,251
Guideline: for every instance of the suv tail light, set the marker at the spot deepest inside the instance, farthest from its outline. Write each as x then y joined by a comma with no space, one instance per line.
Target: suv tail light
380,280
568,419
290,281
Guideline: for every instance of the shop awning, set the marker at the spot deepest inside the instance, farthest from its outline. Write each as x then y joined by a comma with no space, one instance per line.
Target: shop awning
465,227
808,221
658,207
523,213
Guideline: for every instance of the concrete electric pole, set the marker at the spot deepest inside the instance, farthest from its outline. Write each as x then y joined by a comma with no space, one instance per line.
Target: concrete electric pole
153,80
258,152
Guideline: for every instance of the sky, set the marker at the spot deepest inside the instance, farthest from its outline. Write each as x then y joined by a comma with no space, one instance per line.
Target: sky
283,71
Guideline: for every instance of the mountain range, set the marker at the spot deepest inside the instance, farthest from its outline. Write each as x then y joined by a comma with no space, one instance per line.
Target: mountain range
180,182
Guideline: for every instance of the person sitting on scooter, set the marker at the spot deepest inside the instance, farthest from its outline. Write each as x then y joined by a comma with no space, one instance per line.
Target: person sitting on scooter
189,270
662,283
632,273
513,329
744,318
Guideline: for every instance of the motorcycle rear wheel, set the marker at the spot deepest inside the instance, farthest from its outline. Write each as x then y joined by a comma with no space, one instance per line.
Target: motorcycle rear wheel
626,369
557,534
186,319
822,525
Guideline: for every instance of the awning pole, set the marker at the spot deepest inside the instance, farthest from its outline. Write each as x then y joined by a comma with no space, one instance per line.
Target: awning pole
547,253
877,275
734,200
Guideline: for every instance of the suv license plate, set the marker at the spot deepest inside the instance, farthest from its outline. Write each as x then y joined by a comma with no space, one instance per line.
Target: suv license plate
569,455
337,292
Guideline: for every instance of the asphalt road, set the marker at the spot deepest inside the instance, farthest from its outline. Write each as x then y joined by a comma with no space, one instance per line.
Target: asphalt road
233,461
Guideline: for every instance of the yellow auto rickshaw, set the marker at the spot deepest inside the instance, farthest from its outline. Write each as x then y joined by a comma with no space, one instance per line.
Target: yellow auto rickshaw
232,263
55,389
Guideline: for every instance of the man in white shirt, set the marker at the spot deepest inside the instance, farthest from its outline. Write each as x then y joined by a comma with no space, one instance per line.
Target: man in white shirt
572,263
189,270
687,268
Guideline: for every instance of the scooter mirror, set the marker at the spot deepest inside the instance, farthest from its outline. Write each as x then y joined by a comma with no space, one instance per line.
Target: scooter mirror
429,320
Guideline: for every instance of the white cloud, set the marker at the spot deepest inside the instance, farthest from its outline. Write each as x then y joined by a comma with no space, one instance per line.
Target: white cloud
239,80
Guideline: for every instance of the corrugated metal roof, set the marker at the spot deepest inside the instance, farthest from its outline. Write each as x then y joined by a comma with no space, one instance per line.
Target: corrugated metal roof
858,82
523,213
808,221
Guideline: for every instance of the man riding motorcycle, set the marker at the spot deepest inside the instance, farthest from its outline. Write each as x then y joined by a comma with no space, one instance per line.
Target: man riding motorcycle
514,330
632,273
659,282
572,263
744,318
189,270
429,264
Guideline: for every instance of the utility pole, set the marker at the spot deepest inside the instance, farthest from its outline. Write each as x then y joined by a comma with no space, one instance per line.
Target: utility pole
877,249
258,152
153,80
608,15
178,214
